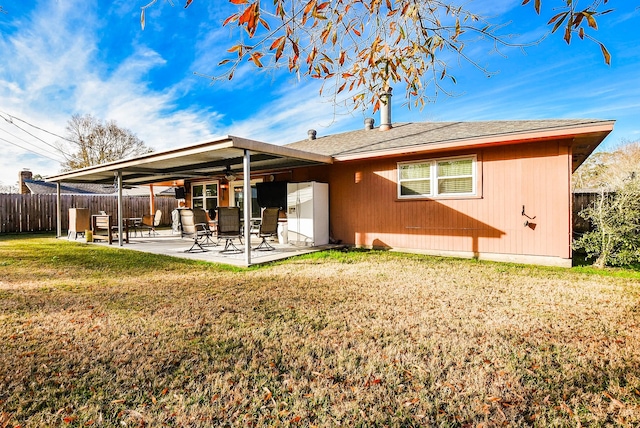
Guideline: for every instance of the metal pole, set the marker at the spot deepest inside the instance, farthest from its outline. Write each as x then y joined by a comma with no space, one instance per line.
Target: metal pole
247,206
152,200
58,210
120,241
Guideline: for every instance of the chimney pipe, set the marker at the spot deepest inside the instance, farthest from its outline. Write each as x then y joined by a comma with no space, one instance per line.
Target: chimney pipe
311,134
368,123
385,110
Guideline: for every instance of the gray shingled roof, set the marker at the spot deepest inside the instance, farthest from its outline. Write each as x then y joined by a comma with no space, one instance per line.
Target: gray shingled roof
38,187
424,133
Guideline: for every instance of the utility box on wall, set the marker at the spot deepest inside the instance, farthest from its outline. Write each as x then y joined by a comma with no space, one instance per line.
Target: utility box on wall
308,213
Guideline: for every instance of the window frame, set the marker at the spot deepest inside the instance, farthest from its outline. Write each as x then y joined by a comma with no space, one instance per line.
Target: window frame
204,196
232,195
434,178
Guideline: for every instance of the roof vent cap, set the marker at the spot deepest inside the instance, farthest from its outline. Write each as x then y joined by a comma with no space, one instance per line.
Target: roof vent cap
368,123
312,134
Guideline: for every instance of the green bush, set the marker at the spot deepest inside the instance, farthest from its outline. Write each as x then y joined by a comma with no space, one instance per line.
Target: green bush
615,216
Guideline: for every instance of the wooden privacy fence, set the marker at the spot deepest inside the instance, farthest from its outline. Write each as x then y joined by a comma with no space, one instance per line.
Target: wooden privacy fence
37,213
581,200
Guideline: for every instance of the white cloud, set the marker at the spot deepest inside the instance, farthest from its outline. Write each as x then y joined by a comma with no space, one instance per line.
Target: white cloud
294,110
55,72
59,66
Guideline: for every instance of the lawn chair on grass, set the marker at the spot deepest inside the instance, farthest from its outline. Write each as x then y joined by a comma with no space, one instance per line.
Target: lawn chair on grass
268,228
229,228
197,231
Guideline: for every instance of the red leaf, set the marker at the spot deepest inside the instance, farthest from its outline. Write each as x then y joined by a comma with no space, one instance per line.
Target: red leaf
567,34
255,58
591,20
606,54
325,35
232,18
342,57
277,42
309,6
239,1
188,3
250,17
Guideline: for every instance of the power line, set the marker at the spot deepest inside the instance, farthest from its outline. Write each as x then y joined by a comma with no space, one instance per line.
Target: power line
35,126
31,144
29,150
24,130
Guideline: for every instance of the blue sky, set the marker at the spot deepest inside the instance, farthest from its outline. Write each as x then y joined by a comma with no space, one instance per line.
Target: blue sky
65,57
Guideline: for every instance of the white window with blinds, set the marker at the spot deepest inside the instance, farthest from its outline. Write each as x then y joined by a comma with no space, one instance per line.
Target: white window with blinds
437,178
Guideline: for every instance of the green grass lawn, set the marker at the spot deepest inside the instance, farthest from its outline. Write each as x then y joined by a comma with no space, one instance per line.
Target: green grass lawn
96,336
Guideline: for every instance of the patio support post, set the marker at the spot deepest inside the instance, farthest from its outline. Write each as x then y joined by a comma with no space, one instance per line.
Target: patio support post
120,241
58,210
247,206
152,200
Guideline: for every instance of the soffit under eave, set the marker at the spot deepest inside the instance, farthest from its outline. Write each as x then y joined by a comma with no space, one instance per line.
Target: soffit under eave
583,145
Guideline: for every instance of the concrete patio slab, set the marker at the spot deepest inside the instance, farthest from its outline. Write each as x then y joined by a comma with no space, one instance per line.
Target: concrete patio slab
169,244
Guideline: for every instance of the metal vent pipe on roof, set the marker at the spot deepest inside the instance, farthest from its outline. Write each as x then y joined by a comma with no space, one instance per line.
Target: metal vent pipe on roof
312,134
368,123
385,110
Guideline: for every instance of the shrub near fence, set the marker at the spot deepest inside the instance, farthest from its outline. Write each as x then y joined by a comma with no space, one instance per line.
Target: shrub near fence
37,213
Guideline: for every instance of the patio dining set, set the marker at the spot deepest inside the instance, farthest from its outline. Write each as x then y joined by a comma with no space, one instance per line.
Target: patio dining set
226,225
196,224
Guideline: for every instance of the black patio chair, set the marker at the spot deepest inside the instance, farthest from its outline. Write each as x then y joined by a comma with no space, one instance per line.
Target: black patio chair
268,228
200,217
229,228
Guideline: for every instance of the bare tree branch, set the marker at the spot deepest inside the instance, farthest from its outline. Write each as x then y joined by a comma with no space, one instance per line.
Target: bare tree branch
95,143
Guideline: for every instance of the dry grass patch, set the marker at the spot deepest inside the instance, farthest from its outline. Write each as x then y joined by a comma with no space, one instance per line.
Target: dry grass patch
96,336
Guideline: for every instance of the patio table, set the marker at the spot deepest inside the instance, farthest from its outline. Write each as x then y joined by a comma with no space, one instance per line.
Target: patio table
134,223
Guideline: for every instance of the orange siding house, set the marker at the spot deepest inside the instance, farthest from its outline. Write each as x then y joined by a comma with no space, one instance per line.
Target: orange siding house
489,190
496,190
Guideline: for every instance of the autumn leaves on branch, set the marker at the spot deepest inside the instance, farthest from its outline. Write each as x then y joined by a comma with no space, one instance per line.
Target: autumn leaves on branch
359,47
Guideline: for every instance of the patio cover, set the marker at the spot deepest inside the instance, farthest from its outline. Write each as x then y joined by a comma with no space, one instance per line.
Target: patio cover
201,160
